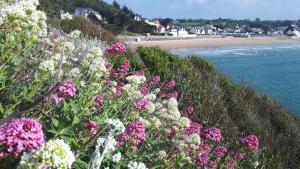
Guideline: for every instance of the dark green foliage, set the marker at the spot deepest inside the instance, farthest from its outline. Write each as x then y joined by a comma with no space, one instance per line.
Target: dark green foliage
88,28
118,20
237,109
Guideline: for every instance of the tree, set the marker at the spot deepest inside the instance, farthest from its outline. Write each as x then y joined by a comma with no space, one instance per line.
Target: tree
126,10
165,22
116,5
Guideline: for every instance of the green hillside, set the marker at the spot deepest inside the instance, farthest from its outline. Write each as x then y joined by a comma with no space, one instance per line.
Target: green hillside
117,19
236,109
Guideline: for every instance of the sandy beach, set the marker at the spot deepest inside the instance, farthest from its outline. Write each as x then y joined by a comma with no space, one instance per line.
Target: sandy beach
215,42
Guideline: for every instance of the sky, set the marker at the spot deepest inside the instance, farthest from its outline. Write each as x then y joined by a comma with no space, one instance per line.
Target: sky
213,9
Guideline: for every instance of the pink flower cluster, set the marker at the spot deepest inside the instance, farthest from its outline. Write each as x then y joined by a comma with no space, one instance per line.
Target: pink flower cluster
169,85
91,127
204,148
212,164
212,134
123,69
116,48
20,135
230,164
251,142
98,101
141,104
155,80
189,109
64,91
202,159
135,133
140,73
194,128
220,151
119,89
174,95
238,156
144,89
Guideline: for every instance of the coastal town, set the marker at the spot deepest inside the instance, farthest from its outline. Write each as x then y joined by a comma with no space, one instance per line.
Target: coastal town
173,29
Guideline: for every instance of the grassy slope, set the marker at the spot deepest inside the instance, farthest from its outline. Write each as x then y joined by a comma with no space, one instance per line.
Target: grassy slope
237,109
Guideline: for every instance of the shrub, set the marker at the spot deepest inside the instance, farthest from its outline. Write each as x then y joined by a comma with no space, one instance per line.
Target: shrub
88,28
236,109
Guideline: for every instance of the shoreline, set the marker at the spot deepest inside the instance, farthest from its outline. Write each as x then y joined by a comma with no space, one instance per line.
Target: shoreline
208,43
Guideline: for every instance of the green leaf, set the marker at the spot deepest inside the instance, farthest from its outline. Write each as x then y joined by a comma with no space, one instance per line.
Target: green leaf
75,120
55,122
74,107
1,109
79,164
53,131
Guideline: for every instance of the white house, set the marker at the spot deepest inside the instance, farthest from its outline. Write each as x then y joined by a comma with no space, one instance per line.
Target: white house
137,18
181,32
155,23
173,32
197,31
161,29
86,11
210,30
293,33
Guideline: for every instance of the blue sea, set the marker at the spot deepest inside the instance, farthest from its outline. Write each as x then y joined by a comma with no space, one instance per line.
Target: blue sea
272,70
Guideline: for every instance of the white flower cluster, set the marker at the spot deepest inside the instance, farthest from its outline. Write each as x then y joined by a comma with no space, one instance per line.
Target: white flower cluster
55,154
136,165
193,139
95,62
117,157
136,80
161,155
75,34
132,88
48,66
22,15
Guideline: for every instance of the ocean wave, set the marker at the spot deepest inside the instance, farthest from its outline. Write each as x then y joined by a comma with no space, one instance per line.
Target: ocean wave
243,54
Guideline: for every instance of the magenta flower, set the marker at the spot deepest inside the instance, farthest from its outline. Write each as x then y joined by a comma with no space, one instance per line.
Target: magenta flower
20,135
251,142
169,85
204,148
113,73
144,89
98,101
220,151
194,128
64,91
202,159
119,89
123,69
91,127
230,164
212,134
189,109
212,164
116,48
238,156
141,104
174,95
140,73
155,80
134,133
